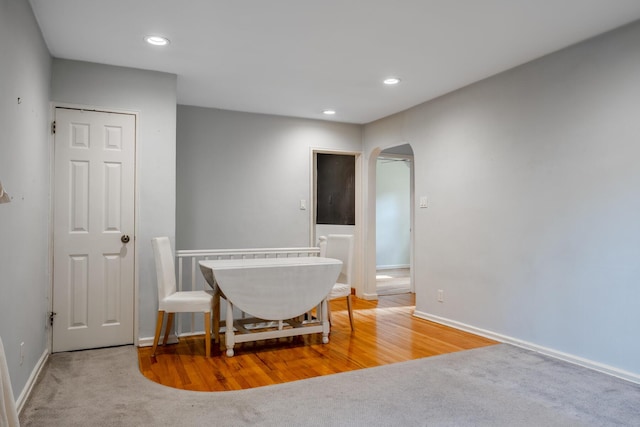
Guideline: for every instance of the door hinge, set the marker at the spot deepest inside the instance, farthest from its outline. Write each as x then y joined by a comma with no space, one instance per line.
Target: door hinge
53,127
52,314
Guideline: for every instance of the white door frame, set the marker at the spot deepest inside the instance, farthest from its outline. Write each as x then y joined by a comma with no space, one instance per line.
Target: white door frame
369,253
136,270
412,202
359,260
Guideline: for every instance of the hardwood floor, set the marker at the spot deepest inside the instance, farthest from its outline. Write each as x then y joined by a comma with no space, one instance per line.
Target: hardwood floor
386,332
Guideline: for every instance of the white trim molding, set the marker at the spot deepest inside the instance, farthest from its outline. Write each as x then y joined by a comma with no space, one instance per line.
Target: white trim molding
392,267
28,387
172,339
576,360
370,296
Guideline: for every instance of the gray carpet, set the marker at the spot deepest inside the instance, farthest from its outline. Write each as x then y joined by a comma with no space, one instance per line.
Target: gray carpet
493,386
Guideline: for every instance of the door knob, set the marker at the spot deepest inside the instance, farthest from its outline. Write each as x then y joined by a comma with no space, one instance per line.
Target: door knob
125,239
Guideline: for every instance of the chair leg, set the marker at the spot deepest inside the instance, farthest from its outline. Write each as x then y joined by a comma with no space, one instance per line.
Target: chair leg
207,333
350,312
168,328
157,335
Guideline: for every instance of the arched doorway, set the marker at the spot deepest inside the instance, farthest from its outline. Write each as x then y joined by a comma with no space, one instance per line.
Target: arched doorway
369,290
394,219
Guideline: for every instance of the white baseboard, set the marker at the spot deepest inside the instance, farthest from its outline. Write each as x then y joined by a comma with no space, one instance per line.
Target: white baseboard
148,341
370,297
28,387
576,360
392,267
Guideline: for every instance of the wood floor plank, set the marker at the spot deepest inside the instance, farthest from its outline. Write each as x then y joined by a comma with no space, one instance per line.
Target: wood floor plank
386,332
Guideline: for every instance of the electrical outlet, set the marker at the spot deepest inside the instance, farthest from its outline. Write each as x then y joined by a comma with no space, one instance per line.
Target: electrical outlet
440,295
21,353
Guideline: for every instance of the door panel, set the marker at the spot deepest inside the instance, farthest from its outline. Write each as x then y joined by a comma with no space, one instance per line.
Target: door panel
93,288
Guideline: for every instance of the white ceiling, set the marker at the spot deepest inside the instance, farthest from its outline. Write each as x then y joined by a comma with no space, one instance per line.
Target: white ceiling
298,57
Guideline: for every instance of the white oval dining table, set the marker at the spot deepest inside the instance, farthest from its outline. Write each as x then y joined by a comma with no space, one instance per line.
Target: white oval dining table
277,290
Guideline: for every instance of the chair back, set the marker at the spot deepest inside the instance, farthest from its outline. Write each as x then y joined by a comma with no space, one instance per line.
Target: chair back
165,269
339,246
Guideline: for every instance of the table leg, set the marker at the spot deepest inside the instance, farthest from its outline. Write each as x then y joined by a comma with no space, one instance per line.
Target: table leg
229,334
216,315
325,322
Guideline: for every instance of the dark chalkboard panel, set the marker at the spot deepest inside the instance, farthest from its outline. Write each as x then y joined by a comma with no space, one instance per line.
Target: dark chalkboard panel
336,190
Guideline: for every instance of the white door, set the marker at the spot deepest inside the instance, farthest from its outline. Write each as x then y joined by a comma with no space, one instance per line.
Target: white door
93,240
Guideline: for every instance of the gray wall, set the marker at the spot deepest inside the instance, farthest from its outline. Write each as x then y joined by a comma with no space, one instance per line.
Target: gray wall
533,227
241,176
153,96
25,67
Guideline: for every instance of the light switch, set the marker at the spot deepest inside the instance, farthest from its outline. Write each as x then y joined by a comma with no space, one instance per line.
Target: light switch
303,204
423,201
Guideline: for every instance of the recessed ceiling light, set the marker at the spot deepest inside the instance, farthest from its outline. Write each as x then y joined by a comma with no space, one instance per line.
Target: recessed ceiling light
156,40
391,81
329,112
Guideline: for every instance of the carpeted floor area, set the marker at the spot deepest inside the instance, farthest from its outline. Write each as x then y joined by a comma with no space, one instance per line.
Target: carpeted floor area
499,385
393,281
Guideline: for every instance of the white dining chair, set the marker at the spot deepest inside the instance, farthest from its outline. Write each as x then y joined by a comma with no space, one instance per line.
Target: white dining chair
340,246
172,301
